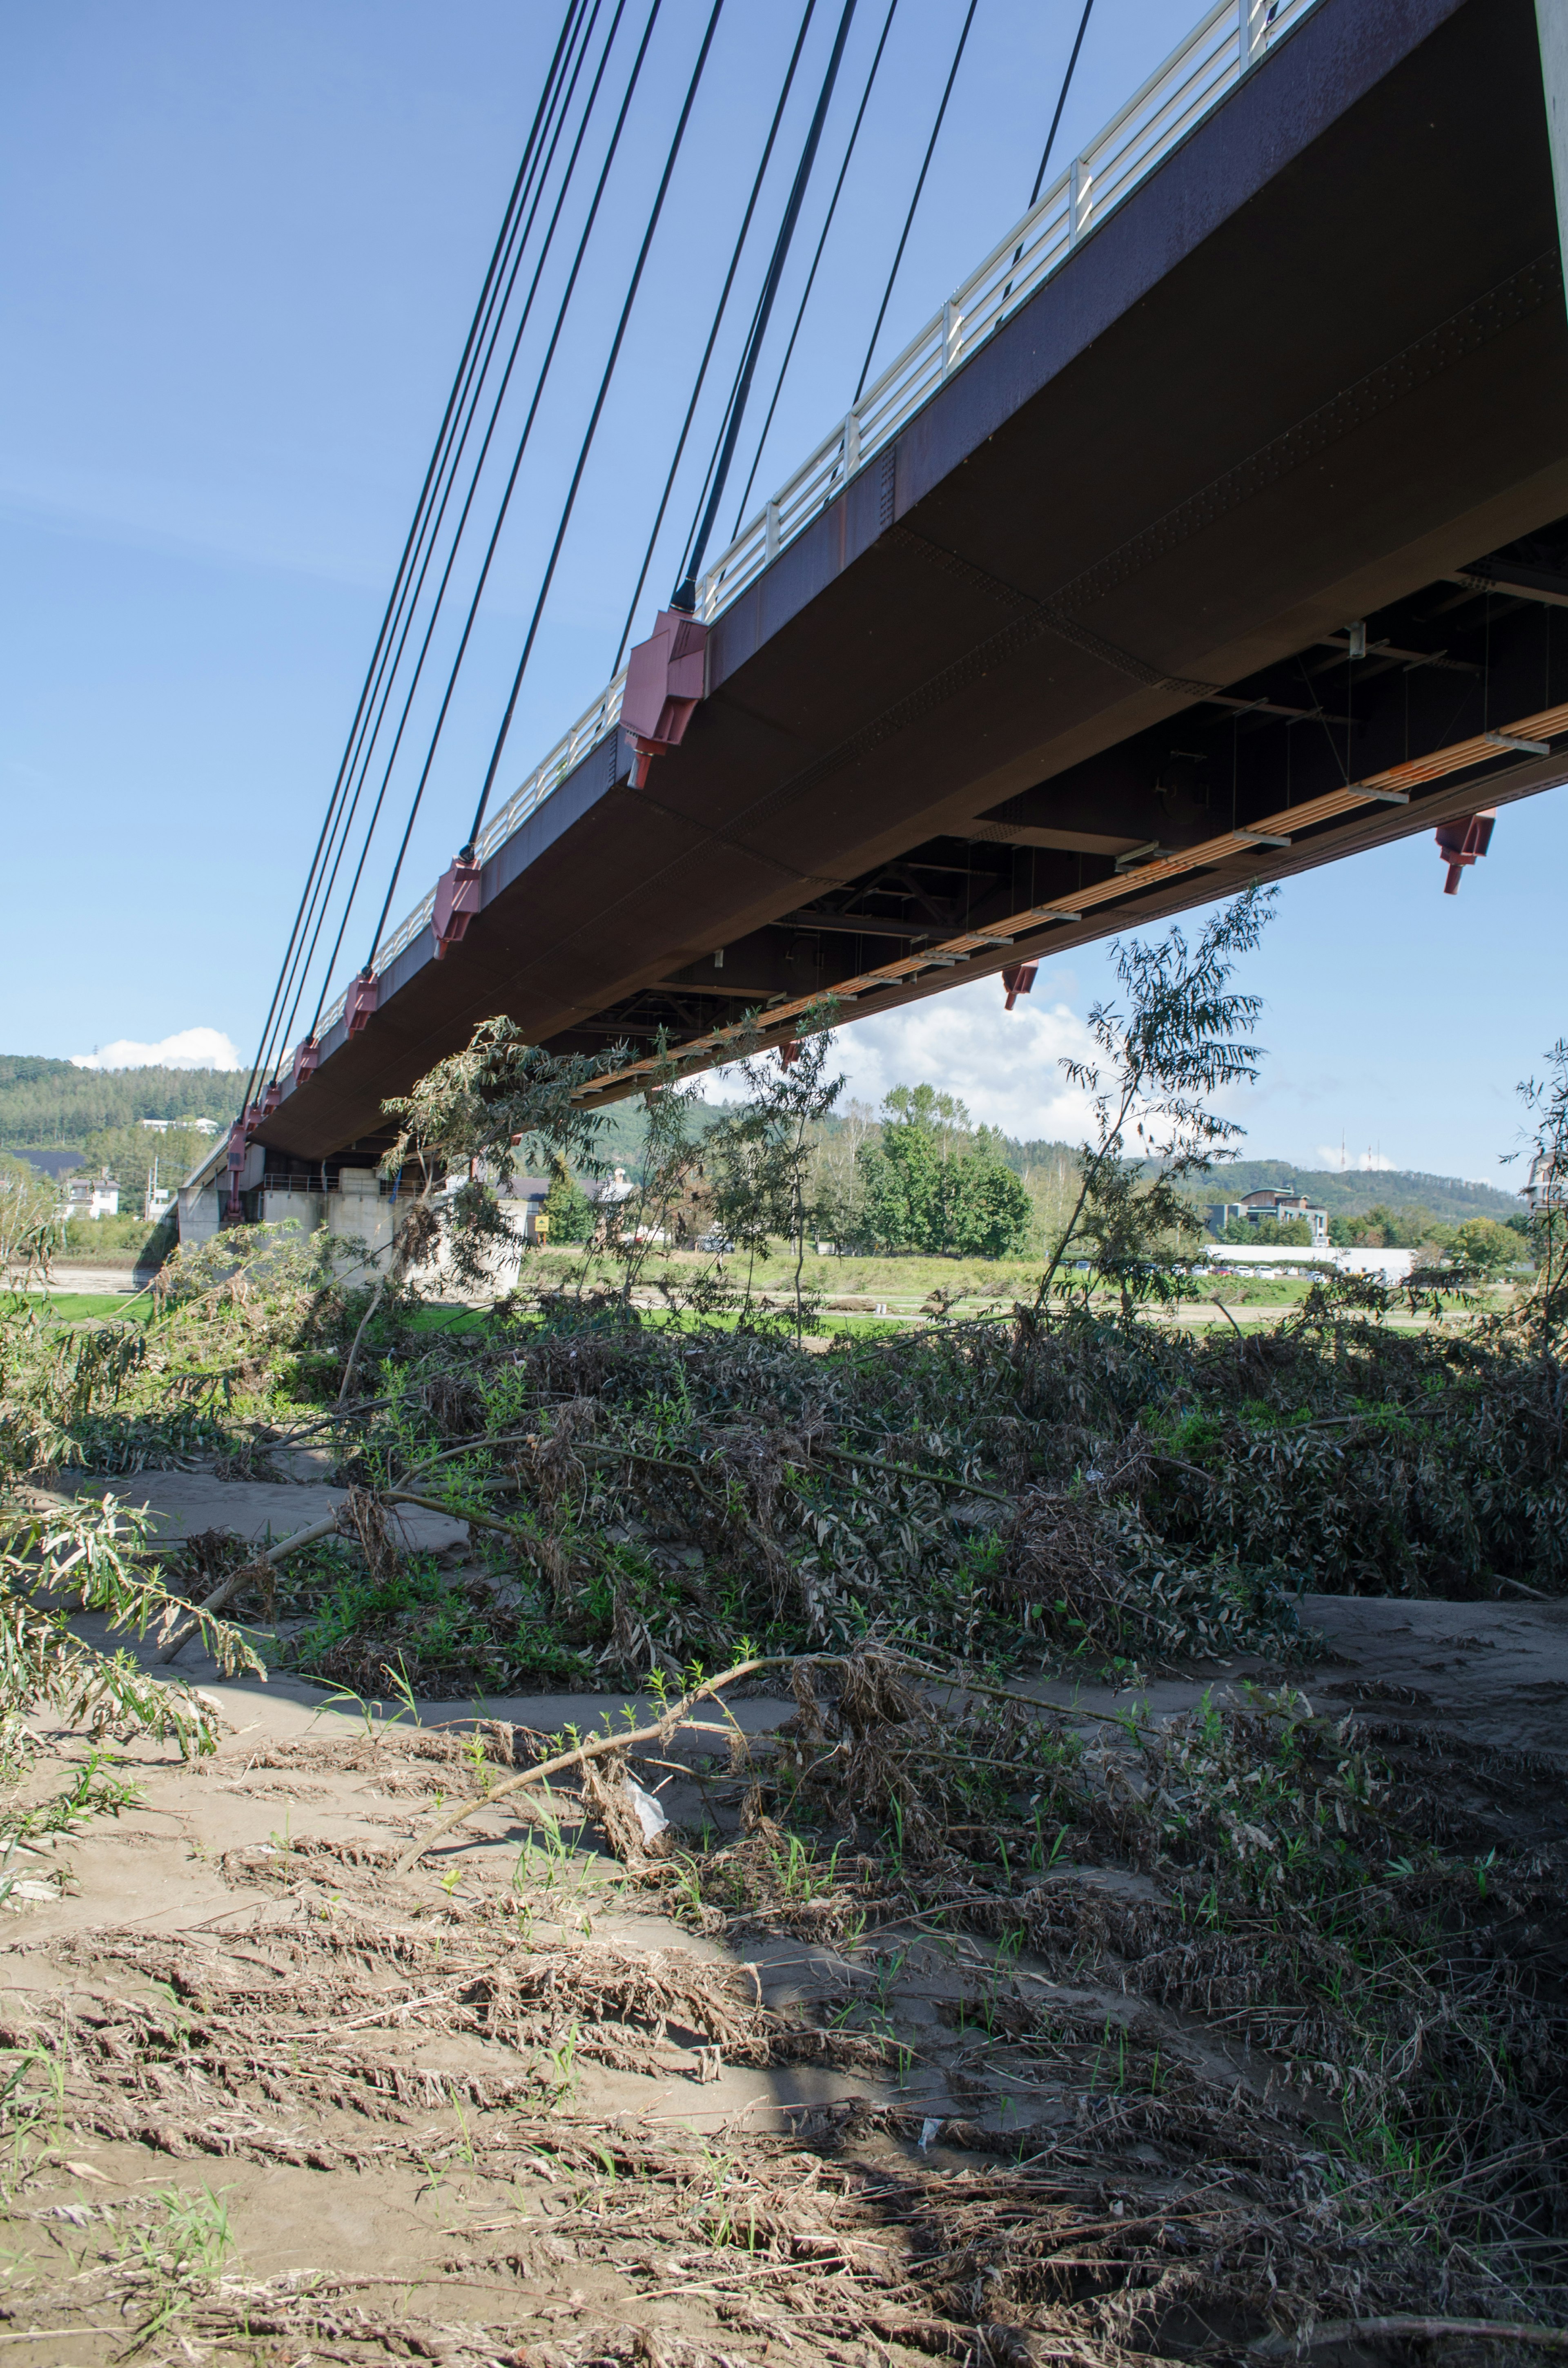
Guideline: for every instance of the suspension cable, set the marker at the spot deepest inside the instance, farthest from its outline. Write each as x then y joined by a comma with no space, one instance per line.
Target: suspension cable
455,545
811,275
561,319
539,384
545,250
1061,103
431,542
594,419
718,311
686,593
474,331
914,200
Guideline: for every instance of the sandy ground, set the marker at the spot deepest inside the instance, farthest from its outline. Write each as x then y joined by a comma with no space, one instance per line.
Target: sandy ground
353,2087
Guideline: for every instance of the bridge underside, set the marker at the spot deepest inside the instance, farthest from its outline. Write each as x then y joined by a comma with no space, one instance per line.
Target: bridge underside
1092,609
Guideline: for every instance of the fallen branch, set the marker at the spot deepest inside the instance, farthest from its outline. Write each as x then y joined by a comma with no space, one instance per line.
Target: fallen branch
595,1749
227,1589
912,1471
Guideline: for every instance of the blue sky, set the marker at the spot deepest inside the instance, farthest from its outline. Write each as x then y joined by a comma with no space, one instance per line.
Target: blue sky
242,248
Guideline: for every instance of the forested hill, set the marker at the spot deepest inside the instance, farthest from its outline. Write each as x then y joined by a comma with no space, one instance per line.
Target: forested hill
1352,1192
52,1106
47,1105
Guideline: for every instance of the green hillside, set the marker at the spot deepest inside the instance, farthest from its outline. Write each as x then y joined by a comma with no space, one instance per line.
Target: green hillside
50,1106
1353,1192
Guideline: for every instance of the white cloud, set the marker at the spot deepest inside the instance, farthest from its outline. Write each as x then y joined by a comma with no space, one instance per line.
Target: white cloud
1001,1064
1334,1155
188,1048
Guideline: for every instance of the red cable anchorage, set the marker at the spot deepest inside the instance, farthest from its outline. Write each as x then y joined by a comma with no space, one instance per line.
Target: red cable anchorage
364,991
1461,842
666,682
456,902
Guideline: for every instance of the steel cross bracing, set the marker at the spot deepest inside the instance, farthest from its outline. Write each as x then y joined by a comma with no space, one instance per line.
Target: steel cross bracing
1529,733
1225,45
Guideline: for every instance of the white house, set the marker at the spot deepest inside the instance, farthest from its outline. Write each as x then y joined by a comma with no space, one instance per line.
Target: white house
91,1196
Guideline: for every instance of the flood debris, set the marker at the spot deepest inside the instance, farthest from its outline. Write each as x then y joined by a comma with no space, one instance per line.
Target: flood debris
969,1916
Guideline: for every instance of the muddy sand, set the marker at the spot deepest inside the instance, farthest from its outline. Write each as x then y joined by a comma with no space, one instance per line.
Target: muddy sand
274,2100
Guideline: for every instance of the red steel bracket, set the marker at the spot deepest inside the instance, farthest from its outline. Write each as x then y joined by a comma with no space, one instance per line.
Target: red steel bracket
456,902
1018,979
665,680
361,1000
1460,843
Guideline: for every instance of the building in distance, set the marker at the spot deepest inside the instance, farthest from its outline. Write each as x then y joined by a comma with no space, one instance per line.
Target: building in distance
1281,1203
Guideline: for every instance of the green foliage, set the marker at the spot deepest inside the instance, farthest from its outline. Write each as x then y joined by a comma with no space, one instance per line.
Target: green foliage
50,1105
1158,1060
931,1184
129,1152
761,1155
1381,1227
1485,1245
487,1109
1293,1231
1545,1102
32,1225
568,1209
91,1549
1352,1193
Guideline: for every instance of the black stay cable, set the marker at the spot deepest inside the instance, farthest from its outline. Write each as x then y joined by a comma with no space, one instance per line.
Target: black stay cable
545,250
914,200
1051,139
432,540
811,275
454,544
718,311
540,113
686,592
528,426
540,383
1061,103
593,418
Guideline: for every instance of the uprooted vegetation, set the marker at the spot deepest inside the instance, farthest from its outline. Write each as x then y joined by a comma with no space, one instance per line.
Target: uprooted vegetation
1044,2030
1047,1488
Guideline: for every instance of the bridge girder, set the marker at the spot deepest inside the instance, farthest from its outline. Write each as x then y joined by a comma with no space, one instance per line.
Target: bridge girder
1312,373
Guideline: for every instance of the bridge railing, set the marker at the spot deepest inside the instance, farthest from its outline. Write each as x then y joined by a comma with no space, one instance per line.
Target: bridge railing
1228,42
1225,45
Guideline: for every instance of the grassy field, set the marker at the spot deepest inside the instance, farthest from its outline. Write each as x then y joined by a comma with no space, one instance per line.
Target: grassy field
71,1307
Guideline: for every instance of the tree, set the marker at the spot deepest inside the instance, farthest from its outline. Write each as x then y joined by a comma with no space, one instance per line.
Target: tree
1486,1245
930,1183
762,1153
128,1154
634,1228
484,1108
837,1186
900,1179
568,1208
989,1210
1292,1231
1546,1104
32,1225
1158,1060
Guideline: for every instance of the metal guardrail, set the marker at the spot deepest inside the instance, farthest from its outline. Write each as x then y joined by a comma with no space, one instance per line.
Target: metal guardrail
1226,43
